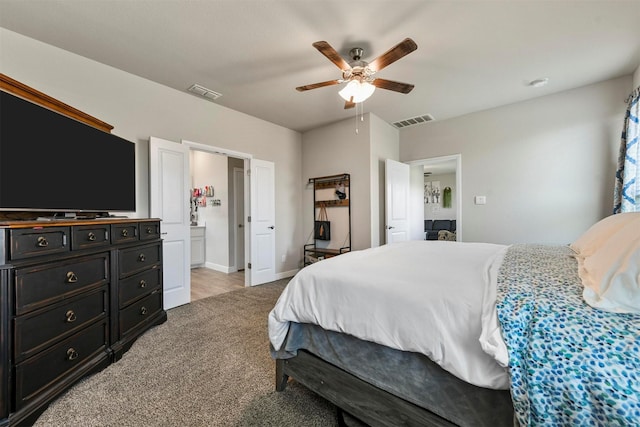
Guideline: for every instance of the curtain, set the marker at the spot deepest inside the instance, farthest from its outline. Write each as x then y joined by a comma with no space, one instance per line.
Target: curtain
626,197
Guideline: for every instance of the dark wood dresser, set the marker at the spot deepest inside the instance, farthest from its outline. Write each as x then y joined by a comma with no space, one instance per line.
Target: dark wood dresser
74,296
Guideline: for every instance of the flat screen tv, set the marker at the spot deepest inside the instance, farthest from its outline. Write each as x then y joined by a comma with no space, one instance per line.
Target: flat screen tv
52,163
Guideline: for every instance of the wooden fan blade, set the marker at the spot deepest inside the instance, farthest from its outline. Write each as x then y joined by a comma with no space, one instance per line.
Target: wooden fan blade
328,51
349,104
391,85
403,48
317,85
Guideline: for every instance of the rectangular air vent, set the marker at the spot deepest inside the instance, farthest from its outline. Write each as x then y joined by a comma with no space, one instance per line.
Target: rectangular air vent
204,92
414,121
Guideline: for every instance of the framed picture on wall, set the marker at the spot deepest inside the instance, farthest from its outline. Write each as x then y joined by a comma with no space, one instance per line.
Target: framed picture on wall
432,192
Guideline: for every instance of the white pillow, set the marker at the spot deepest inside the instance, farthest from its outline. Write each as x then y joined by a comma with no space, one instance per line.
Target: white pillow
599,233
611,275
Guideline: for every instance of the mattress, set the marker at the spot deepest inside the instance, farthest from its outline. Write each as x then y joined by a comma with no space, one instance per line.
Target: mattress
418,296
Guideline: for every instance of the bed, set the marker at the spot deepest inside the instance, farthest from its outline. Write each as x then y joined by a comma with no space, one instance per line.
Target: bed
452,333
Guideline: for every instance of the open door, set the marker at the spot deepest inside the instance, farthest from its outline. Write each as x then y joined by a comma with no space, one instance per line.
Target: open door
397,186
169,201
263,237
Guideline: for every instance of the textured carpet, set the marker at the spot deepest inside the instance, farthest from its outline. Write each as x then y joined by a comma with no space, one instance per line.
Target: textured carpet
208,365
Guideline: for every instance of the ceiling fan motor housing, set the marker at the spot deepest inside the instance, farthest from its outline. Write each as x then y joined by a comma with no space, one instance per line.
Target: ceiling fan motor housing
356,53
359,69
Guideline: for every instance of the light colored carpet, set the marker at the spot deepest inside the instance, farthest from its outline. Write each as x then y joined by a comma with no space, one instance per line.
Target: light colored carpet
208,365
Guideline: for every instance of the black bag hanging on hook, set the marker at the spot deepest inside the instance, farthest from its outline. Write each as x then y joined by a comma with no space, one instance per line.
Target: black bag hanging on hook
322,227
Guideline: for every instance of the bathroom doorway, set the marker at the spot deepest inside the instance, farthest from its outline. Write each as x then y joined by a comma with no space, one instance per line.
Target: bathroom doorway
218,210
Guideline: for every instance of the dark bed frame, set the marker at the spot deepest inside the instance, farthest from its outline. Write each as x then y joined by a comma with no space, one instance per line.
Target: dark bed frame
364,401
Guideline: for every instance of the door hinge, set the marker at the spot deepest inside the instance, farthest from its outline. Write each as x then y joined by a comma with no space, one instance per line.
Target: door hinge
248,172
249,218
249,266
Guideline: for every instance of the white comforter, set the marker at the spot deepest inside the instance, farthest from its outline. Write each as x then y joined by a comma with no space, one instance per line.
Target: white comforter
421,296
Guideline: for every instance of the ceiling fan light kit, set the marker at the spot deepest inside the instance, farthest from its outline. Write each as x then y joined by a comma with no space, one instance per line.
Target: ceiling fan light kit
359,74
356,91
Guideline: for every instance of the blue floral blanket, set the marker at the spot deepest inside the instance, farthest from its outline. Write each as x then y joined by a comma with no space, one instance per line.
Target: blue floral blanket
570,364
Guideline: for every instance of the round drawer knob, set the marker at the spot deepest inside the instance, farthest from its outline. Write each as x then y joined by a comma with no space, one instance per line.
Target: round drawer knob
143,283
125,233
42,242
141,258
143,310
149,230
91,237
71,277
72,354
71,316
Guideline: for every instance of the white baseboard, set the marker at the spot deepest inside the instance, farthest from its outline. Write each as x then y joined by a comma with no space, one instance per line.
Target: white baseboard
233,269
286,274
217,267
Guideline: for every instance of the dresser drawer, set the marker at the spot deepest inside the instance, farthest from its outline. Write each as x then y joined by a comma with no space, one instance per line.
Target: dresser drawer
40,329
49,367
140,258
49,283
123,233
139,312
32,242
149,230
90,236
134,287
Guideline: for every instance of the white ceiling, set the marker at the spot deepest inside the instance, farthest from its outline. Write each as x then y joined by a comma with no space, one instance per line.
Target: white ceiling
472,55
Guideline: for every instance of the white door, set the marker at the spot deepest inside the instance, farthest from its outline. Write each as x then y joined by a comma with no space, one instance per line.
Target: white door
397,186
238,201
263,236
169,201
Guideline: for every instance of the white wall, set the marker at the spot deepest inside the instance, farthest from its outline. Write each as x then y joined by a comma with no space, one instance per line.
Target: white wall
337,148
331,150
211,169
231,164
636,78
385,144
546,165
139,108
416,183
437,211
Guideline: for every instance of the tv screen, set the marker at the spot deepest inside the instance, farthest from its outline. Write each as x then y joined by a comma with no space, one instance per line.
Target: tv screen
50,162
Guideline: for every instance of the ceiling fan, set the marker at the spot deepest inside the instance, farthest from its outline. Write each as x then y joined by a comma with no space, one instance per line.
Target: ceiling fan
359,74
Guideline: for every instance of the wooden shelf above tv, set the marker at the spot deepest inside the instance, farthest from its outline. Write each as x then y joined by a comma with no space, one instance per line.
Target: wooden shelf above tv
10,85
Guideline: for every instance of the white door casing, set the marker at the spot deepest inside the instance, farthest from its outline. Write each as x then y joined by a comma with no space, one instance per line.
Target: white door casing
397,186
262,225
169,201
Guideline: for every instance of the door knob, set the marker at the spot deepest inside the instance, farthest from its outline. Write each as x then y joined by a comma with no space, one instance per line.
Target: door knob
271,227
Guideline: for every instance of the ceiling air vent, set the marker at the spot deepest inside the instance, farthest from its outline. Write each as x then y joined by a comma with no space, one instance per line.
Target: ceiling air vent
204,92
413,121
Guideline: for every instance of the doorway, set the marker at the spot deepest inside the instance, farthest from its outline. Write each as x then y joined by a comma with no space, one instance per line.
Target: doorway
429,180
170,190
217,227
